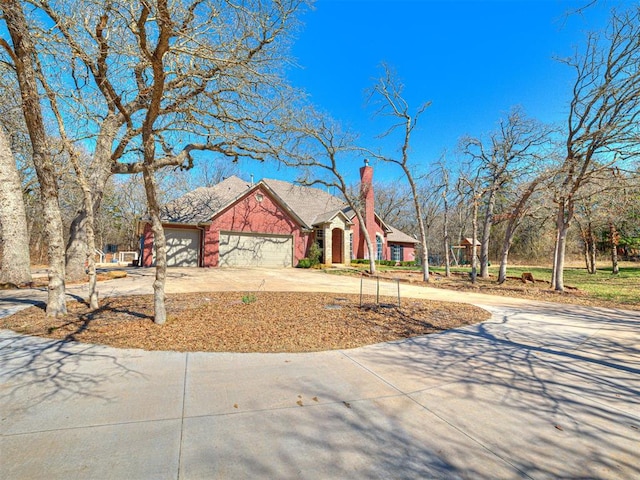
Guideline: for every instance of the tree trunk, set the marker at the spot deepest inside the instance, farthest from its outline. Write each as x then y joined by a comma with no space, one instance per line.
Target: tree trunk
585,252
160,245
588,238
614,237
592,251
447,246
422,230
89,228
514,221
14,257
555,261
23,56
565,214
486,233
474,240
78,252
506,246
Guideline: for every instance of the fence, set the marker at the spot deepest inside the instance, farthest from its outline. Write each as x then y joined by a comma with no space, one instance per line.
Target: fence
374,287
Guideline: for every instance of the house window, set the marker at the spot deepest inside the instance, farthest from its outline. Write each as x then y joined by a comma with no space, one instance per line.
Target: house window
397,253
320,238
379,247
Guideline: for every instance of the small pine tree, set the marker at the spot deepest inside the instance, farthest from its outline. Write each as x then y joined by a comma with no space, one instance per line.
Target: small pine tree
315,253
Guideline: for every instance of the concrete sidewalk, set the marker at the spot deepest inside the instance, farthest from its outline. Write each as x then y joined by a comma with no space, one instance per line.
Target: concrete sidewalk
538,391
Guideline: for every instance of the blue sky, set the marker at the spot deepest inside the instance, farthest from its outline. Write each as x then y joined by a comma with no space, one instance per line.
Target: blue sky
473,60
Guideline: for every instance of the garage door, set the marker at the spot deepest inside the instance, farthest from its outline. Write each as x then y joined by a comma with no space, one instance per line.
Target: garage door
183,247
255,250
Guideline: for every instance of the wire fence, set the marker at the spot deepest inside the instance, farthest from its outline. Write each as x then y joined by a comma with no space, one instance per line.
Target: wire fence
373,286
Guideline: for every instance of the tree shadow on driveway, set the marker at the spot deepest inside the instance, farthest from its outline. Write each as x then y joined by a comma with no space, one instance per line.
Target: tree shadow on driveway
554,391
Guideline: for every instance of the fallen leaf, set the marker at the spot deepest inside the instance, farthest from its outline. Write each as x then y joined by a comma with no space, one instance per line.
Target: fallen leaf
347,404
299,402
315,399
217,322
235,405
559,428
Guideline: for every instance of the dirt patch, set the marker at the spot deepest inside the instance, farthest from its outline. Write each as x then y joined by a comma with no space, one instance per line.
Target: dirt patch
231,322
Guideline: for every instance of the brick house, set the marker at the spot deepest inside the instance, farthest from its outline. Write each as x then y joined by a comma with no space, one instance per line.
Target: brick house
271,223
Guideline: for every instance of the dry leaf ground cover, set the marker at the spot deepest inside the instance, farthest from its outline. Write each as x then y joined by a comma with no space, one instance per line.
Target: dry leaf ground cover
232,322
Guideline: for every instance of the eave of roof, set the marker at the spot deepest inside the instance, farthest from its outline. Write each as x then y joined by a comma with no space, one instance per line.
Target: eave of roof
328,217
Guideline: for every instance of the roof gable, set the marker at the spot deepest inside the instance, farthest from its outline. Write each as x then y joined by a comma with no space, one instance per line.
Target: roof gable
203,203
310,204
399,236
261,188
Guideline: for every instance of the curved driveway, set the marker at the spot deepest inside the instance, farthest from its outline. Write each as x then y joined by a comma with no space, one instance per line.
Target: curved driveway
538,391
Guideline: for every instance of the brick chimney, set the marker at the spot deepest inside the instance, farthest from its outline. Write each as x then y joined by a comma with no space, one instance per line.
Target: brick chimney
366,192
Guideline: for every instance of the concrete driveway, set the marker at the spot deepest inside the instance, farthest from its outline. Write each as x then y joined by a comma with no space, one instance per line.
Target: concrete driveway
538,391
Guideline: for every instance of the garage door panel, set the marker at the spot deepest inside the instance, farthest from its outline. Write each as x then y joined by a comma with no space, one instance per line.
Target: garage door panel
183,247
247,250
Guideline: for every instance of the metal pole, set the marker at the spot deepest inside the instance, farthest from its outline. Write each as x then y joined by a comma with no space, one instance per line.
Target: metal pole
361,280
398,282
378,291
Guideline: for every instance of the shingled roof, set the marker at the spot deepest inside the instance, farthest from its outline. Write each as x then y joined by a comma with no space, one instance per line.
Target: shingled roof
311,205
203,203
396,235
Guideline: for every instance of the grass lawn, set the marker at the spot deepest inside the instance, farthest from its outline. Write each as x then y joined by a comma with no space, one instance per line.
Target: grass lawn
609,290
622,288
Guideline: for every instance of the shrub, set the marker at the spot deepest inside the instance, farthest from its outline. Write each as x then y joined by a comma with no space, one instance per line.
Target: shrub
315,254
387,263
249,298
304,263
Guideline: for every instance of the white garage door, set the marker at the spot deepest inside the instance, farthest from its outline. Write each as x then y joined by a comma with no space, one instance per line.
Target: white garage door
183,247
255,250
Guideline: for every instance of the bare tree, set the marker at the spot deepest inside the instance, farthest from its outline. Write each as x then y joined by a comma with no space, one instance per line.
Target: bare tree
469,188
87,197
603,118
392,201
511,152
445,191
22,52
388,94
600,209
320,147
519,208
160,83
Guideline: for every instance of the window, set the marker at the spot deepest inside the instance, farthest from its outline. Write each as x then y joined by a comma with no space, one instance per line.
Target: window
379,247
397,253
320,238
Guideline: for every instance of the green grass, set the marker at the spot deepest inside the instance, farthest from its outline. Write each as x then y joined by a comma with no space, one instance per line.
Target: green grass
622,288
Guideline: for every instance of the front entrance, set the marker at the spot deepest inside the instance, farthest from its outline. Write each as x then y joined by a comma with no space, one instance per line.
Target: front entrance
337,247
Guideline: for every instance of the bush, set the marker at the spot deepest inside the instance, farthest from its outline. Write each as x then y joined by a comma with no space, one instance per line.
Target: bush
304,263
386,263
315,254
